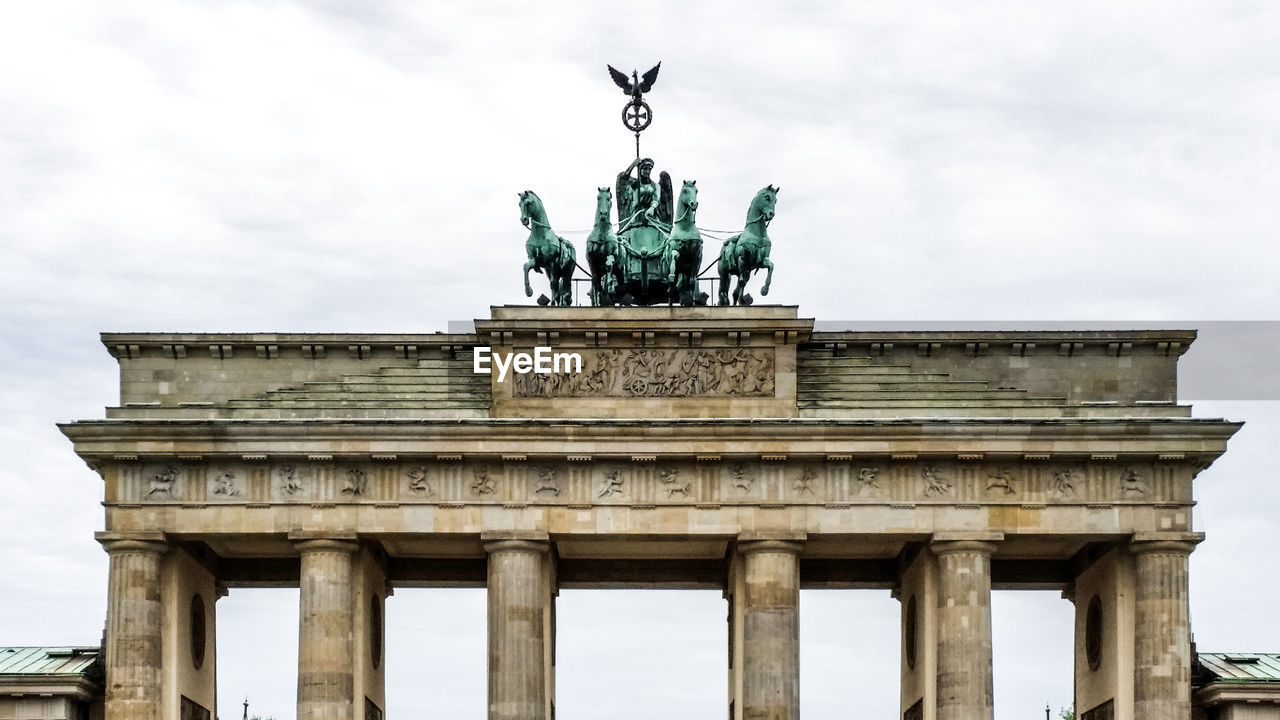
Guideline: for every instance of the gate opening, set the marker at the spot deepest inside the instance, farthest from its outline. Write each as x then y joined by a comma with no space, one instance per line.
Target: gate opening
849,649
641,654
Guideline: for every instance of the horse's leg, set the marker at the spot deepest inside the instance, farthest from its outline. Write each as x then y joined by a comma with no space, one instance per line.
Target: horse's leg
768,278
724,281
528,289
744,274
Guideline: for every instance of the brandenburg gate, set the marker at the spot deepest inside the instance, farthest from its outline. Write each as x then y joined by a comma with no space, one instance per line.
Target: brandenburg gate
695,447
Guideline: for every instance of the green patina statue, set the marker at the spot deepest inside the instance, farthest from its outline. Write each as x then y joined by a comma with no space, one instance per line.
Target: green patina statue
748,251
547,251
604,255
685,248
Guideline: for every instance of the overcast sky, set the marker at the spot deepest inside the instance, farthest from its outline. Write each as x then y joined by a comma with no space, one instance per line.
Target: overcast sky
327,166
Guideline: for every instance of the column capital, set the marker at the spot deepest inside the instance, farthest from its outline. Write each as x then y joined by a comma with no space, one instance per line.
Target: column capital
516,545
325,544
982,543
771,541
1167,543
535,541
790,547
116,542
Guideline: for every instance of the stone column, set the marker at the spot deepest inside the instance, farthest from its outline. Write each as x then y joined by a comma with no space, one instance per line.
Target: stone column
1162,642
518,598
133,638
771,629
326,653
964,629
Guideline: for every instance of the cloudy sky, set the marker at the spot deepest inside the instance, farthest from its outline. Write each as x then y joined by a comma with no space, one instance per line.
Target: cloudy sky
328,166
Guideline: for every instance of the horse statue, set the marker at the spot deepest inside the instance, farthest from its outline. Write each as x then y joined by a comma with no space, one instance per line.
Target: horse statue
748,251
547,251
685,247
604,255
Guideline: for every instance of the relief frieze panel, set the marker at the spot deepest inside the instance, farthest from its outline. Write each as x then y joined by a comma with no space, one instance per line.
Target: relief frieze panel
658,372
767,480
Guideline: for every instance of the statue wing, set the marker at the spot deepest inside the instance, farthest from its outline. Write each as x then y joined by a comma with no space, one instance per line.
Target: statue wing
621,79
666,200
622,197
647,80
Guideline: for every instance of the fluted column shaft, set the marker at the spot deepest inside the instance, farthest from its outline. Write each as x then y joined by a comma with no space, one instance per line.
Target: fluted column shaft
771,630
1162,646
326,654
964,630
133,645
518,598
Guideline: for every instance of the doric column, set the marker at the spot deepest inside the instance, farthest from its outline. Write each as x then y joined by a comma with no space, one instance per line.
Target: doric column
326,653
964,629
133,638
1162,642
518,603
771,629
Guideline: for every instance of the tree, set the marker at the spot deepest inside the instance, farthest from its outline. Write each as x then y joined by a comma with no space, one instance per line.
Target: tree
1067,714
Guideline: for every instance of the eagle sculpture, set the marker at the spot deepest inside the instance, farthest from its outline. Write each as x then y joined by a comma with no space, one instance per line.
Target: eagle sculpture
636,85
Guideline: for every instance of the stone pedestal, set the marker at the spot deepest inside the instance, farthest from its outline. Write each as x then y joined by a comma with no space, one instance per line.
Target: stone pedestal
1162,643
770,629
964,629
133,637
519,610
326,659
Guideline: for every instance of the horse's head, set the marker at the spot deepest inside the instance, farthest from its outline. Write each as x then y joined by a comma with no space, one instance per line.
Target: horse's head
689,194
531,209
763,204
604,202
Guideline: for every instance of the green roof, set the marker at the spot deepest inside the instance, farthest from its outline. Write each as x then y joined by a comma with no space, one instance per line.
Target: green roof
1242,667
36,661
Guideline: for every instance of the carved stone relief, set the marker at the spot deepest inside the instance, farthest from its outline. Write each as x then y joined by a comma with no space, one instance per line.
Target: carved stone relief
481,483
658,372
161,484
1132,484
547,482
869,481
670,479
419,483
741,479
1064,484
612,484
1001,482
936,484
355,482
804,484
225,483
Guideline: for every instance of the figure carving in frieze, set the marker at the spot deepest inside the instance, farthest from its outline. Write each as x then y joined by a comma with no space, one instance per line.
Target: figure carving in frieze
612,484
418,481
670,479
1001,479
1063,484
805,483
354,482
481,483
934,481
869,480
289,482
739,478
225,484
547,482
162,482
660,372
1132,483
